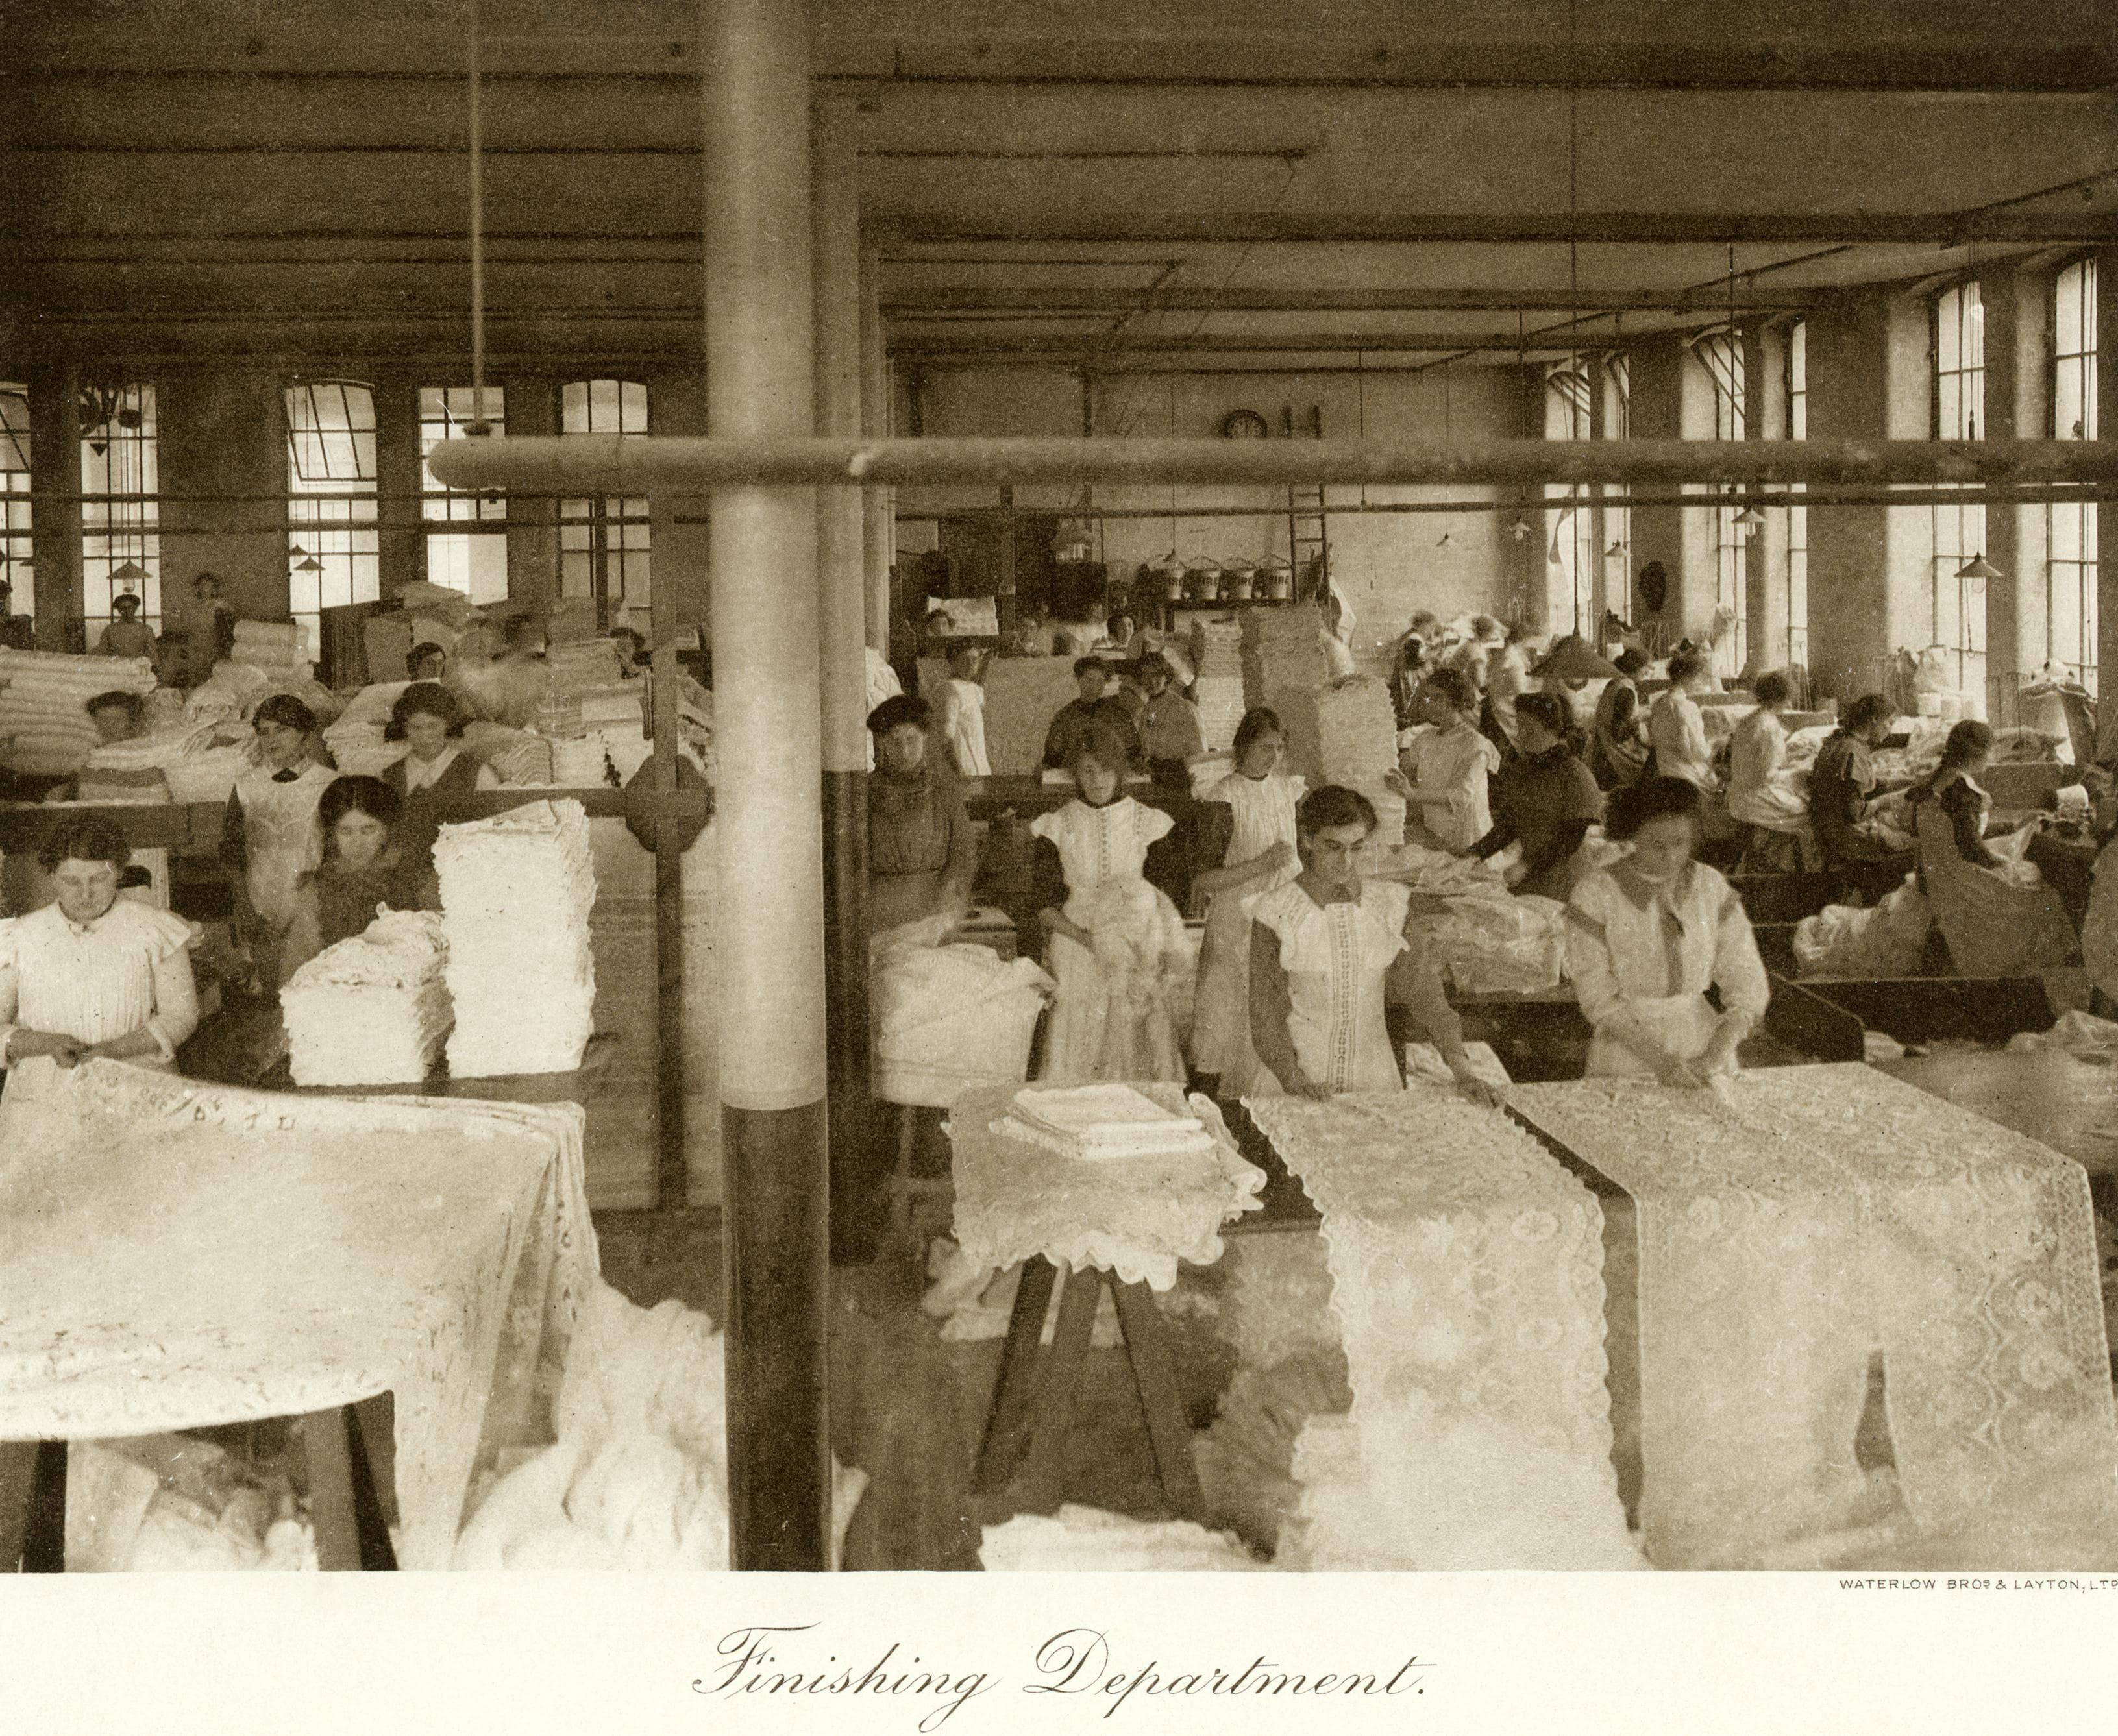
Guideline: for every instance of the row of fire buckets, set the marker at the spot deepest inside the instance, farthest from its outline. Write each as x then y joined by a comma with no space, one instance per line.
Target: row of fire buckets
1206,581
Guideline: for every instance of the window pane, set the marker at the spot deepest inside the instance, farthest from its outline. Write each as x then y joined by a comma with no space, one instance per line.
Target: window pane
331,436
445,413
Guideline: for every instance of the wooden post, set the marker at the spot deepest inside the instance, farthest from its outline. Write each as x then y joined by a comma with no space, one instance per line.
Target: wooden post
760,368
878,527
841,572
55,504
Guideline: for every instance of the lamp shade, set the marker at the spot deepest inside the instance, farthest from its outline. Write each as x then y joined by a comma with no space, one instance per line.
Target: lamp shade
1978,567
128,573
1749,518
1573,659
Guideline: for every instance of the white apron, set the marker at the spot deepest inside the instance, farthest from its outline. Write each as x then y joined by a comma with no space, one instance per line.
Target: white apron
282,838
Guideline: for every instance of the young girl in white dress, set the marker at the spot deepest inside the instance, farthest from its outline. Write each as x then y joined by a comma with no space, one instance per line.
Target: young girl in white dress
1328,952
1117,944
1260,857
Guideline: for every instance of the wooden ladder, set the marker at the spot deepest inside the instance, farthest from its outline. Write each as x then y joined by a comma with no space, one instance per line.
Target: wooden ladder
1308,531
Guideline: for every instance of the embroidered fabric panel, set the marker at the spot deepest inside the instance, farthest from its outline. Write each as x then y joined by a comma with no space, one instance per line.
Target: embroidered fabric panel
173,1254
1467,1276
1795,1224
1137,1217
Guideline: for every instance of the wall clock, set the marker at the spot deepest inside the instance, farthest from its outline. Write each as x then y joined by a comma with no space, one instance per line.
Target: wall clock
1244,425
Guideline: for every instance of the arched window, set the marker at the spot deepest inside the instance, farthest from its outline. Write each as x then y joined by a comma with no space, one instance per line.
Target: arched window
333,554
2070,526
1721,354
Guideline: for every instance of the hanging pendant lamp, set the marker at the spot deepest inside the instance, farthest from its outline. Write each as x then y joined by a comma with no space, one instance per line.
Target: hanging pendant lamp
1978,567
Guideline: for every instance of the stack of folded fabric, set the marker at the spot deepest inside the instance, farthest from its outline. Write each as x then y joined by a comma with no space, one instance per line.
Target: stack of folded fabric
1217,652
278,647
516,891
208,774
45,727
1283,648
371,1010
1098,1123
1356,738
133,771
580,666
524,760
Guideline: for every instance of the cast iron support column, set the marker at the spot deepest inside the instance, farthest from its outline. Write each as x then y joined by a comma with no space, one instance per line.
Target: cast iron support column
55,503
760,363
842,576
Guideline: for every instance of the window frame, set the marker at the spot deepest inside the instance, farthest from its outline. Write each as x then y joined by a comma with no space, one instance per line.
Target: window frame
334,517
18,548
2071,580
1956,606
119,524
605,535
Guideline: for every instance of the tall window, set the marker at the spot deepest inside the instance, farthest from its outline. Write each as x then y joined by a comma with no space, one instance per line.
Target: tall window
1616,537
467,535
1795,575
1959,531
121,546
15,564
1570,545
2070,567
332,552
602,543
1721,352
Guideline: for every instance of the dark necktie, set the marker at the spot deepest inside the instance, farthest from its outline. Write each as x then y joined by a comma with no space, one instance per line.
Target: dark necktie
285,777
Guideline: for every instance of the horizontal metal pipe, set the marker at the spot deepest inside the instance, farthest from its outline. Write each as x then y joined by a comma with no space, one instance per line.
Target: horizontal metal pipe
612,464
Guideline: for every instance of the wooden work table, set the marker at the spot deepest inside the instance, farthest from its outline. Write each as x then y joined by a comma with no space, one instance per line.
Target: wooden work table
2067,1101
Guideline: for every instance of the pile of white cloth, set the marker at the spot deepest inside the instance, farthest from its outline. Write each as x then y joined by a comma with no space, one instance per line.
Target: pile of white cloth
1102,1123
637,1477
1886,941
208,774
1218,651
1283,648
1086,1540
583,666
175,1502
45,725
280,649
355,740
373,1010
950,1017
1357,736
1495,942
137,770
516,891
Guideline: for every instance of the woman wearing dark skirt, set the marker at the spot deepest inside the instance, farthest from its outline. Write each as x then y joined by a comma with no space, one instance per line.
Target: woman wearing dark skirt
434,772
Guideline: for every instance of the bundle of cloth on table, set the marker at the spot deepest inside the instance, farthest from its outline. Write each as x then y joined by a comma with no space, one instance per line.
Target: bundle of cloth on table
1485,938
2017,745
45,727
373,1010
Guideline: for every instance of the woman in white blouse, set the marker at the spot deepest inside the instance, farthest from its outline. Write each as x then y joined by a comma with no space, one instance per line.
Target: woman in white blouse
1649,936
1260,857
92,976
1444,773
1675,727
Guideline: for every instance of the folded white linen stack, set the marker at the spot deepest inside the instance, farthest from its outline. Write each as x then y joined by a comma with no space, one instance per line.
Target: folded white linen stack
1101,1122
582,666
1217,652
45,727
516,890
371,1010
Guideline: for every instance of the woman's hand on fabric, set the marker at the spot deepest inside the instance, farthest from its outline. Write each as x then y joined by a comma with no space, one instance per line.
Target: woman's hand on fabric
1279,857
1679,1071
25,1044
1481,1092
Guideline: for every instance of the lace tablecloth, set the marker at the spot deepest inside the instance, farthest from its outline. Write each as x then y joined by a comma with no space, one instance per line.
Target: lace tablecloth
1466,1276
1787,1229
1137,1217
174,1254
